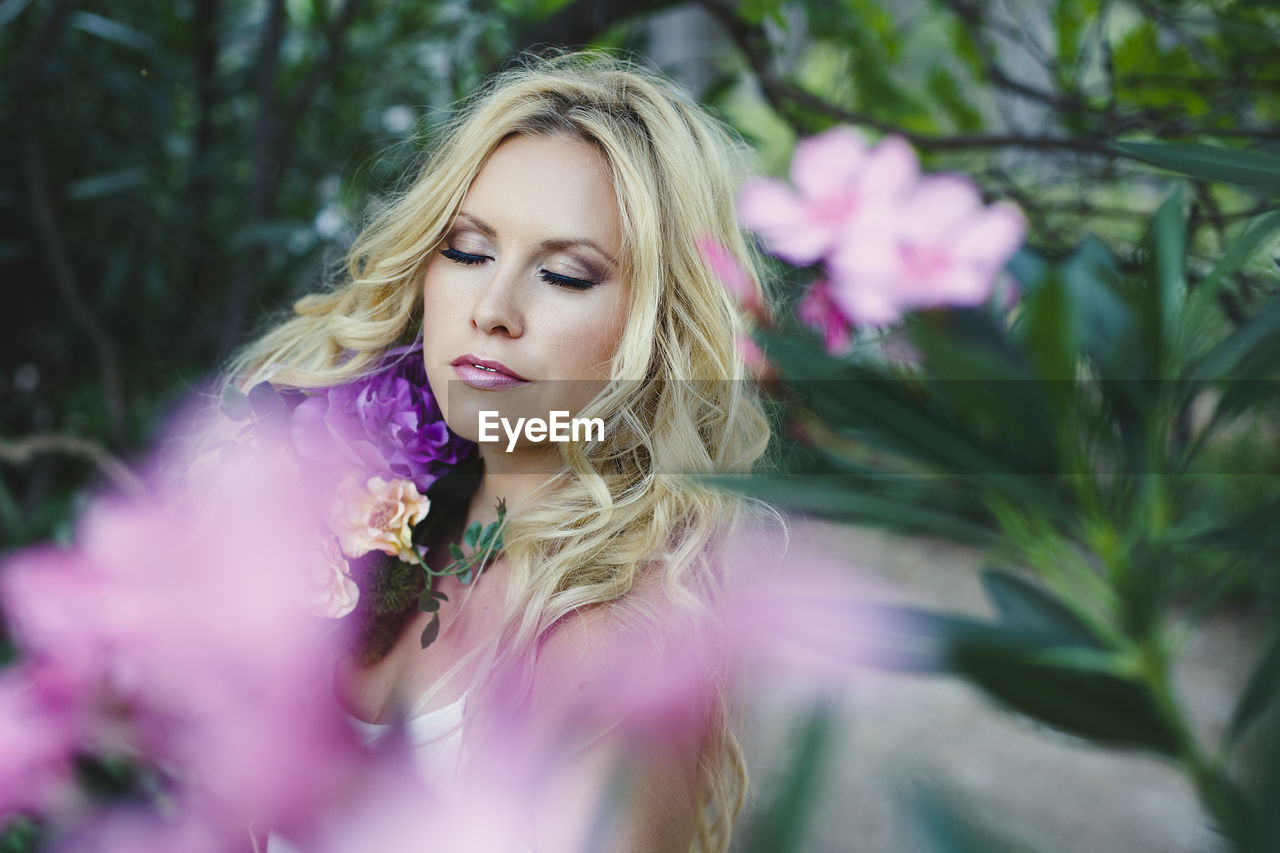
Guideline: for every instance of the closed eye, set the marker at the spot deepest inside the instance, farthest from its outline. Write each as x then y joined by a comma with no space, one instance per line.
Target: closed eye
566,281
463,257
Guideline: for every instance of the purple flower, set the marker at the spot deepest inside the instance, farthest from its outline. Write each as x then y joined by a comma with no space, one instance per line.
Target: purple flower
388,422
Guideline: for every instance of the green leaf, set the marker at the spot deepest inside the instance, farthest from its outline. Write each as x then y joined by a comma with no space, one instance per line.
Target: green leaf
831,496
472,534
1024,605
105,184
432,631
1260,228
456,552
10,9
112,31
1224,361
236,404
939,826
1261,691
950,96
1071,688
782,821
1208,162
1168,237
266,401
427,601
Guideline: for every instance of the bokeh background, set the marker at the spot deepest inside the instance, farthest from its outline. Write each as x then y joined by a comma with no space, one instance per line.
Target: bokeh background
181,171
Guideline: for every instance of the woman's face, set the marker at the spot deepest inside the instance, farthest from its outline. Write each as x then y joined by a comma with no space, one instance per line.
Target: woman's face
523,303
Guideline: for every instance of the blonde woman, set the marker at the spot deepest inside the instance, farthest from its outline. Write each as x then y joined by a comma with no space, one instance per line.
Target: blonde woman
547,257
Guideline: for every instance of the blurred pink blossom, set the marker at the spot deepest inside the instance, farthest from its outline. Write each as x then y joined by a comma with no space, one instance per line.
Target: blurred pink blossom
176,632
819,312
837,180
940,246
741,286
335,591
891,240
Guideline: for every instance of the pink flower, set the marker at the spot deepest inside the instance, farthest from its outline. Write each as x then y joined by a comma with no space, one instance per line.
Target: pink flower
379,517
336,591
175,632
741,286
891,240
838,180
940,246
819,312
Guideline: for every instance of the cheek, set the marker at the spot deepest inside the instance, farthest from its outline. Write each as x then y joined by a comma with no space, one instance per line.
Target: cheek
595,338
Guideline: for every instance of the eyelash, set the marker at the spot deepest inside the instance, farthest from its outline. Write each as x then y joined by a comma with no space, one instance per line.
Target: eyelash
467,259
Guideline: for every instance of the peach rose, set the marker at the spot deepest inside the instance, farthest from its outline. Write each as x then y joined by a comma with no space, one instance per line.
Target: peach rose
379,516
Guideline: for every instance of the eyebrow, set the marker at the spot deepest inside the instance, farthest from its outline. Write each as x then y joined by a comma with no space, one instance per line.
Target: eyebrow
553,245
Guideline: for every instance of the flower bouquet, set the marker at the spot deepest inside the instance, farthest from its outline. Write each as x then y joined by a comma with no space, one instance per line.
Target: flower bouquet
383,445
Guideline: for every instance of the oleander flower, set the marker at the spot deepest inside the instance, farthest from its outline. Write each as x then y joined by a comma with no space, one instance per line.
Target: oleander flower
379,516
820,313
336,591
890,240
387,423
194,662
838,180
735,279
939,246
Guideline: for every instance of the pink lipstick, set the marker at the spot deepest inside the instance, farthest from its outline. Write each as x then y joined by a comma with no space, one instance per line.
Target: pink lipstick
486,374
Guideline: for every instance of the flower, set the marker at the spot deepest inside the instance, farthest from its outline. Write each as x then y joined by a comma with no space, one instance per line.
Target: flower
819,312
387,422
192,659
336,591
939,246
379,517
891,240
838,180
736,280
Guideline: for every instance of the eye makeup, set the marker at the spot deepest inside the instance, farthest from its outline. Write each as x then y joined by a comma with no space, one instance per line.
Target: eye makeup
558,279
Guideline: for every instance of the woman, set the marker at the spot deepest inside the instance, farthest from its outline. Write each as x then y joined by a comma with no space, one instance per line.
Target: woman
547,254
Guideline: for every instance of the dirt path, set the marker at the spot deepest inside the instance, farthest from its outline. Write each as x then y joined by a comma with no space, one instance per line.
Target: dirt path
1048,791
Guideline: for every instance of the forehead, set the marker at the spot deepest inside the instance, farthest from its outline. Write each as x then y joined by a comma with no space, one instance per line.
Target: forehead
554,187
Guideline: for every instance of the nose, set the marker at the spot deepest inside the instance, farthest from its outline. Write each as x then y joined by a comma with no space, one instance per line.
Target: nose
498,308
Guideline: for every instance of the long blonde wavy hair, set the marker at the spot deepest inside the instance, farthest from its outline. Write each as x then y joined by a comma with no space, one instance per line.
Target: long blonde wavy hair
617,510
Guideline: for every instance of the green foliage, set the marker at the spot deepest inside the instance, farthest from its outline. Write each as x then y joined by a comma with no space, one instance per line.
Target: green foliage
1065,429
780,825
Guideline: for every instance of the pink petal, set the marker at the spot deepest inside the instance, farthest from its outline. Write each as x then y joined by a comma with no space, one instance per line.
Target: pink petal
992,238
818,312
868,246
751,354
781,218
868,302
830,163
891,170
940,205
725,267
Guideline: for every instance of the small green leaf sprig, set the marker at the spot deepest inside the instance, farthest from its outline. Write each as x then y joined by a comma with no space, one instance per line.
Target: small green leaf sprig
485,543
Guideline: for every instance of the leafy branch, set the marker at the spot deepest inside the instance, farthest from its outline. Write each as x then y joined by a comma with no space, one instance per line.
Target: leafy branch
485,542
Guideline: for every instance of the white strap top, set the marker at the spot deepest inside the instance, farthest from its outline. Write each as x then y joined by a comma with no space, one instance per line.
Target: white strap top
435,738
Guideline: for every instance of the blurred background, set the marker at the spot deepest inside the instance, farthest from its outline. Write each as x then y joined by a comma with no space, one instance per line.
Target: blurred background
182,171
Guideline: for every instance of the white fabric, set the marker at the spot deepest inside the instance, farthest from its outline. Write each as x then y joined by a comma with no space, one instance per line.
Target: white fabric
436,740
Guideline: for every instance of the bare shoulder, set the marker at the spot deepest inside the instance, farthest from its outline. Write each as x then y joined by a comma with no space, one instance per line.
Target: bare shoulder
600,691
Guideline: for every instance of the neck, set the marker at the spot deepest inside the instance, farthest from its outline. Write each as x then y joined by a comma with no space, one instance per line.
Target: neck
510,477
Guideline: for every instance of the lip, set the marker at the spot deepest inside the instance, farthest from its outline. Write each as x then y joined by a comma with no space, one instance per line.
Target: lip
486,374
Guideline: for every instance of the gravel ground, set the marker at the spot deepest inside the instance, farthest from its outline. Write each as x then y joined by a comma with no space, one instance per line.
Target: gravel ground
1039,789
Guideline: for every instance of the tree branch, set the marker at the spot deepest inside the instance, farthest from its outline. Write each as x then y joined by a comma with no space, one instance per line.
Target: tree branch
23,450
46,222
